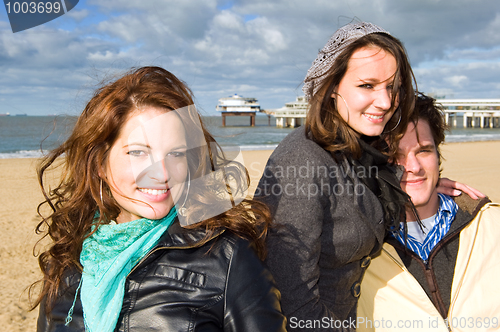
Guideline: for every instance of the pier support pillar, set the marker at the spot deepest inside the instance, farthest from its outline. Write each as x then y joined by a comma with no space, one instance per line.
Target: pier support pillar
251,114
279,122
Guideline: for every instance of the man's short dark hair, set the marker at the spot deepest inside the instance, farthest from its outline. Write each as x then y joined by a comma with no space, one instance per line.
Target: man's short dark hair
427,109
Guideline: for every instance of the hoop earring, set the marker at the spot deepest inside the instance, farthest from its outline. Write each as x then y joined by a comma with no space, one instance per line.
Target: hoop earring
183,211
100,191
397,124
345,103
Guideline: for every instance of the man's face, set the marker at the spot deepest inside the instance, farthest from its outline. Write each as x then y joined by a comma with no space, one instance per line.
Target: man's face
421,162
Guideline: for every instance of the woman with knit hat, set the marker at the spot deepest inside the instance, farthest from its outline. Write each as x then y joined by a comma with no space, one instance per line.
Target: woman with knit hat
331,190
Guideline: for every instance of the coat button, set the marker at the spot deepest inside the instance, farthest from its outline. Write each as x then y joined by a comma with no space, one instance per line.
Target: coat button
366,261
356,289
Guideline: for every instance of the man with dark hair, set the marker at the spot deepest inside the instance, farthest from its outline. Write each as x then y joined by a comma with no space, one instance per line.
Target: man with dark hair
440,271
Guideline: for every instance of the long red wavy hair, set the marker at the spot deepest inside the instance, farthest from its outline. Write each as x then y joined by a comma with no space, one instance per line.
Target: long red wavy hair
78,194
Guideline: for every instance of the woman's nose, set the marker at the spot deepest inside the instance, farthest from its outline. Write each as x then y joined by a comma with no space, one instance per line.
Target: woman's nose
153,175
383,99
158,171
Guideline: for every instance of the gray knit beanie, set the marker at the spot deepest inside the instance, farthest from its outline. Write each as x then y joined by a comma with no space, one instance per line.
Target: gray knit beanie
342,38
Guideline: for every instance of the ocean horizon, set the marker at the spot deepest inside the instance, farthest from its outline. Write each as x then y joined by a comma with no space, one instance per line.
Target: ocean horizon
26,136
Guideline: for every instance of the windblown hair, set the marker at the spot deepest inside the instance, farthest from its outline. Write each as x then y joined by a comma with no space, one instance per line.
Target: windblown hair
427,109
326,126
80,193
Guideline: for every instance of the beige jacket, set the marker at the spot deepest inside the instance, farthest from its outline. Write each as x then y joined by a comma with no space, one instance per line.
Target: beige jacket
392,299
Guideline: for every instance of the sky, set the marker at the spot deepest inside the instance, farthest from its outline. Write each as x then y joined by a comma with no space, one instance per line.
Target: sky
255,48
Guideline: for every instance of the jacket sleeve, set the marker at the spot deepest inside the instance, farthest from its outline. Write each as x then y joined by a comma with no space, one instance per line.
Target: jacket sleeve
298,207
252,301
56,319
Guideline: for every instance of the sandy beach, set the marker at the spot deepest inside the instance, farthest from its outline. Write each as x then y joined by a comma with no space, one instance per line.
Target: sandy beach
474,163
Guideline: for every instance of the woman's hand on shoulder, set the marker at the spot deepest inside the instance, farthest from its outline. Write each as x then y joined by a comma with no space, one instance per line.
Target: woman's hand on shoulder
454,188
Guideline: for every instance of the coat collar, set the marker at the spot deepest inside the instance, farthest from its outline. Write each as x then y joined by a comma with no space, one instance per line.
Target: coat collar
468,208
180,237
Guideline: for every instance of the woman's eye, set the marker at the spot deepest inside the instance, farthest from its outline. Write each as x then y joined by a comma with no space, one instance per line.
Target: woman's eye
176,154
366,86
136,153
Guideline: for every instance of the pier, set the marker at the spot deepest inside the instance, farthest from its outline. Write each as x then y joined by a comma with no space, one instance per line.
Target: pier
251,114
482,113
292,115
238,106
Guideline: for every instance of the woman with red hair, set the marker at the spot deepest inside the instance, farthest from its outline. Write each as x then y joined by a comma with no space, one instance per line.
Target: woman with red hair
150,228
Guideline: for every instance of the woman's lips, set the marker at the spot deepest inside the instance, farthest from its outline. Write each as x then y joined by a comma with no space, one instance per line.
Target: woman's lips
155,195
375,118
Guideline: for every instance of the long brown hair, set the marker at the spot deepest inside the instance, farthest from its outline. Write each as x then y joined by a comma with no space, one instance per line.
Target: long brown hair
324,123
81,191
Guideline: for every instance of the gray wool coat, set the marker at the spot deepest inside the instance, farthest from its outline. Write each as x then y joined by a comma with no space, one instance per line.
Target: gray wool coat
327,225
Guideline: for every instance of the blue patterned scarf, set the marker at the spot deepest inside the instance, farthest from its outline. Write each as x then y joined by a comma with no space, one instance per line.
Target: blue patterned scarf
444,217
107,257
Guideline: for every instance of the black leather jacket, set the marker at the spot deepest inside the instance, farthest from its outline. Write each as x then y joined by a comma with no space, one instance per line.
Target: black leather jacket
186,284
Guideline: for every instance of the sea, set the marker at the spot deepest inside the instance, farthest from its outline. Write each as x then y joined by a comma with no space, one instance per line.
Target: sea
34,136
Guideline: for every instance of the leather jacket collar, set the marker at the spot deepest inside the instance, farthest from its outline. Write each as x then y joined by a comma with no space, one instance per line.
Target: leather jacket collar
180,237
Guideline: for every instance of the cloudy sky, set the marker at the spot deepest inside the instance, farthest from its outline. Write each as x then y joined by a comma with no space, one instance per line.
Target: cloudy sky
256,48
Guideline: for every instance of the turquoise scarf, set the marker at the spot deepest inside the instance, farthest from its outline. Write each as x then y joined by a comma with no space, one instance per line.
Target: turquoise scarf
107,258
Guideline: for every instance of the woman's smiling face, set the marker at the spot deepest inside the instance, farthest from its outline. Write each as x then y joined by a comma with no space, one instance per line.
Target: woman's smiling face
364,95
147,166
